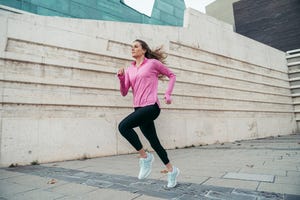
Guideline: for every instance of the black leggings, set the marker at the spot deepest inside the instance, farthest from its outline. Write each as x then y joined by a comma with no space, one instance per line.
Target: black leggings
143,117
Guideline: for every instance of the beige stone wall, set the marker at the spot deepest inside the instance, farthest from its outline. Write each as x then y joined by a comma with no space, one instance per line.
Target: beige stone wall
60,97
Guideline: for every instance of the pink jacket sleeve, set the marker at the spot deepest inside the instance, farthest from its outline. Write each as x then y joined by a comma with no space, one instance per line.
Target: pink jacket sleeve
172,79
124,83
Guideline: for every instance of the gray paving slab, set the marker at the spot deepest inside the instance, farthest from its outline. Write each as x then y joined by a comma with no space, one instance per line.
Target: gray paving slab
294,180
34,181
280,188
250,177
233,183
102,194
4,174
36,195
7,189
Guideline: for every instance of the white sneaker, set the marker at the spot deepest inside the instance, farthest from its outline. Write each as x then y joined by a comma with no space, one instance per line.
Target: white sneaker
172,176
146,166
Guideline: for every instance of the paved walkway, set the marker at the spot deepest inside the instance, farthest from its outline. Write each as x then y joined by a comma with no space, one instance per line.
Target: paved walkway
259,169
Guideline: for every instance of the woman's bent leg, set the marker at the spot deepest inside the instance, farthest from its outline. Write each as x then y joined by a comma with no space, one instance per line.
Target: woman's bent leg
126,129
139,116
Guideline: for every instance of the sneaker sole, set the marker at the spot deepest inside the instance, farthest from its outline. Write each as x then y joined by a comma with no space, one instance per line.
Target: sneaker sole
176,179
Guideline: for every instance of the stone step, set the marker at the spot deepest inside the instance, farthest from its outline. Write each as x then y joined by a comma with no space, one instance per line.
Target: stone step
295,79
294,74
294,71
297,111
87,75
295,95
293,63
297,115
294,83
295,51
293,58
297,119
297,54
18,93
295,86
296,107
295,90
296,100
294,67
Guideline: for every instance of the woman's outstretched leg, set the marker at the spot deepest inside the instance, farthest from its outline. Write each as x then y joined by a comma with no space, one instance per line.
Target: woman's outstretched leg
149,132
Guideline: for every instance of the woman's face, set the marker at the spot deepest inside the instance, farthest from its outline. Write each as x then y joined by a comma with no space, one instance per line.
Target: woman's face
137,50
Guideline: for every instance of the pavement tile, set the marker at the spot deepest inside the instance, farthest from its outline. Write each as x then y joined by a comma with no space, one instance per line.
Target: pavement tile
293,173
279,188
259,195
193,178
75,164
226,196
232,183
35,181
36,195
4,174
291,197
201,172
294,180
71,189
287,165
269,171
250,177
7,189
144,197
105,194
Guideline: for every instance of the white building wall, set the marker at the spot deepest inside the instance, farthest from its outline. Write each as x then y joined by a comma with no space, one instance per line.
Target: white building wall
60,97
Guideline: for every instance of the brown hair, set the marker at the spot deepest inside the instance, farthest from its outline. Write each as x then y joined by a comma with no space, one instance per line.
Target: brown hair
157,53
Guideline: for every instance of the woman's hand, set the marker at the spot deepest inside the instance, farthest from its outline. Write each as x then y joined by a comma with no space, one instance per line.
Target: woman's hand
121,72
168,99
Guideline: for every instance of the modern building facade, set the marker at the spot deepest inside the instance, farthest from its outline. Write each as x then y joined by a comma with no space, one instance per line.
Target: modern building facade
272,22
164,12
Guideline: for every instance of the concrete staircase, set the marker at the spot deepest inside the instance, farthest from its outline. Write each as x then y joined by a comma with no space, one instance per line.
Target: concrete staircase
293,60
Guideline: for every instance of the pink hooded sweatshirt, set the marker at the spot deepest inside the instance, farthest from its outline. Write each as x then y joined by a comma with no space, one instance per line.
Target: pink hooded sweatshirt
143,81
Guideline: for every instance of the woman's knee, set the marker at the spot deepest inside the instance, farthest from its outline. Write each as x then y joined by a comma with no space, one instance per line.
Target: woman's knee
121,128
